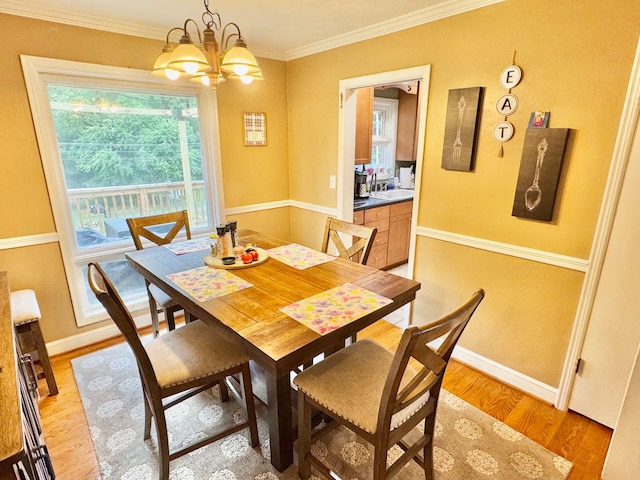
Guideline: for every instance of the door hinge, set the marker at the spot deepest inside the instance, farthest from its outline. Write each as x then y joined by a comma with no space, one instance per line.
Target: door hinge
579,366
341,99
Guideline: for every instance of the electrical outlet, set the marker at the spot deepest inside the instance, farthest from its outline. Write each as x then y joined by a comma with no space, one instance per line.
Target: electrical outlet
332,182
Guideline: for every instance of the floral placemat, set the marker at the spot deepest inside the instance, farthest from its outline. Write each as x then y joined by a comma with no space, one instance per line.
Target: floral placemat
332,309
206,283
189,246
298,256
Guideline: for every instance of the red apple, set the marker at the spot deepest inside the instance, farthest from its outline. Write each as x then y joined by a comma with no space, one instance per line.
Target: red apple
247,257
254,254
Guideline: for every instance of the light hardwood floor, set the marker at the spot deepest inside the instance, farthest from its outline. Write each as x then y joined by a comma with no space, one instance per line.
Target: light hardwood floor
569,434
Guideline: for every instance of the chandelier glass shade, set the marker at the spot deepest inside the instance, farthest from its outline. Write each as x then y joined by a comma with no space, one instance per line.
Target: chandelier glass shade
210,62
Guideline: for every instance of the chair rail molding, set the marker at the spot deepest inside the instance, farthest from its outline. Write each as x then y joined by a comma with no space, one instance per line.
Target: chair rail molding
28,240
541,256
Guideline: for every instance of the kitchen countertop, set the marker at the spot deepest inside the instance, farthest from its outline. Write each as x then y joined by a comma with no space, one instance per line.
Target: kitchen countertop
372,202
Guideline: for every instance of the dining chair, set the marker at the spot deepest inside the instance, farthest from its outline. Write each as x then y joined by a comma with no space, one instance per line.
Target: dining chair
382,396
177,365
160,229
362,239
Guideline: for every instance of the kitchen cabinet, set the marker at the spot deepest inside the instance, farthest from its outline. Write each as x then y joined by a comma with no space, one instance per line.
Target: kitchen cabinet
364,117
378,218
399,233
391,245
407,135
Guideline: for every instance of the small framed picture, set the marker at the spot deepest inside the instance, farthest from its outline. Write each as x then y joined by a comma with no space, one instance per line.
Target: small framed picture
254,126
539,119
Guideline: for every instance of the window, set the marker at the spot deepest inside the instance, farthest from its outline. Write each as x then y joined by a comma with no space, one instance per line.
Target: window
117,143
384,127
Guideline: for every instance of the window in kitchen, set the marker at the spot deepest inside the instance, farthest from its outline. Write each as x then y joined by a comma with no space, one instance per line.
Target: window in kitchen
384,126
117,144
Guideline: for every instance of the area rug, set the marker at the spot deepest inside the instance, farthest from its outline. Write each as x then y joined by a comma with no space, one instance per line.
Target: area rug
469,444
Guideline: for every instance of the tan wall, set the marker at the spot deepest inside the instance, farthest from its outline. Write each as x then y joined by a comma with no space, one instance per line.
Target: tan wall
253,175
307,227
528,310
577,67
273,222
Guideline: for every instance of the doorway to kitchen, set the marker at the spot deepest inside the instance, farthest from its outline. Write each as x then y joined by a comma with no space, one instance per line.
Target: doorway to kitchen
347,127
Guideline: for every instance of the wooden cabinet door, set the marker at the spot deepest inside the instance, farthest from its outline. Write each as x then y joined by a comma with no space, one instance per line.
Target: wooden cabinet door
399,234
407,138
364,116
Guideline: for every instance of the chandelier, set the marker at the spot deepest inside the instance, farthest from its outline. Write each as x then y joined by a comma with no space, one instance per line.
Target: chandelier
210,62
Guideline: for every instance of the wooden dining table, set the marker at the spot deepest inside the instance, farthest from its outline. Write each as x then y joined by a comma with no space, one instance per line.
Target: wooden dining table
277,343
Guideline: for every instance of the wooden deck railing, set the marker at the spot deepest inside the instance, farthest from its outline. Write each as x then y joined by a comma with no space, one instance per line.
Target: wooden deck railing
92,206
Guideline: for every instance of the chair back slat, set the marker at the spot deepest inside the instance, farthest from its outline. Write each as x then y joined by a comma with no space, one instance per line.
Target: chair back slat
429,358
143,227
361,239
402,388
110,299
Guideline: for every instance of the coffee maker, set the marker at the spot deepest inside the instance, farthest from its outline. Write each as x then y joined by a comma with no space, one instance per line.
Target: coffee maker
360,185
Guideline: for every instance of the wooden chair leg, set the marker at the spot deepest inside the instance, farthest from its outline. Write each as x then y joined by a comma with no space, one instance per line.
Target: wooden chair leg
169,317
163,444
41,347
224,391
147,419
247,395
427,454
304,436
379,463
155,322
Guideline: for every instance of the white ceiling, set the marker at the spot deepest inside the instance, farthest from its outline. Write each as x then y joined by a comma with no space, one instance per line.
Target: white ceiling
280,29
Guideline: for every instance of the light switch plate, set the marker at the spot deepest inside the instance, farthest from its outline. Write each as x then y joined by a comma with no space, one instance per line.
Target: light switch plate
332,182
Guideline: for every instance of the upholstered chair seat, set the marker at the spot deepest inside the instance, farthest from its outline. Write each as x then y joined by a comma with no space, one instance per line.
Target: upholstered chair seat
354,373
191,352
162,299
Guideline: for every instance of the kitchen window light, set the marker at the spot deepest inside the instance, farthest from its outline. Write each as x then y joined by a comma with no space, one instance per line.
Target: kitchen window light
384,129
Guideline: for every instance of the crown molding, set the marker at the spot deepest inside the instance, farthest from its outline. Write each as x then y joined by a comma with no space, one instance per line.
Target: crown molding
420,17
95,22
426,15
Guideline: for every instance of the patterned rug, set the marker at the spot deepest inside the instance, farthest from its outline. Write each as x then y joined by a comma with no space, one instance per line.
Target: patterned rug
469,444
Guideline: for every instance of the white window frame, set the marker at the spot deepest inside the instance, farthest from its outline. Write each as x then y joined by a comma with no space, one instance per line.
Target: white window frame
389,105
38,73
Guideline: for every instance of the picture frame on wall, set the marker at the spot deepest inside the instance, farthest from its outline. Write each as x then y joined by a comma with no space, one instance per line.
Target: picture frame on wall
461,128
254,128
539,119
539,176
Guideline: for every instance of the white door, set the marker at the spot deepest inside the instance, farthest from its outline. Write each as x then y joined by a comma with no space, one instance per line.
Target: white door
613,334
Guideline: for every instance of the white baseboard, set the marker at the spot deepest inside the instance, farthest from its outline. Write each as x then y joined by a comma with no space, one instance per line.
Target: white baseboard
92,336
506,375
